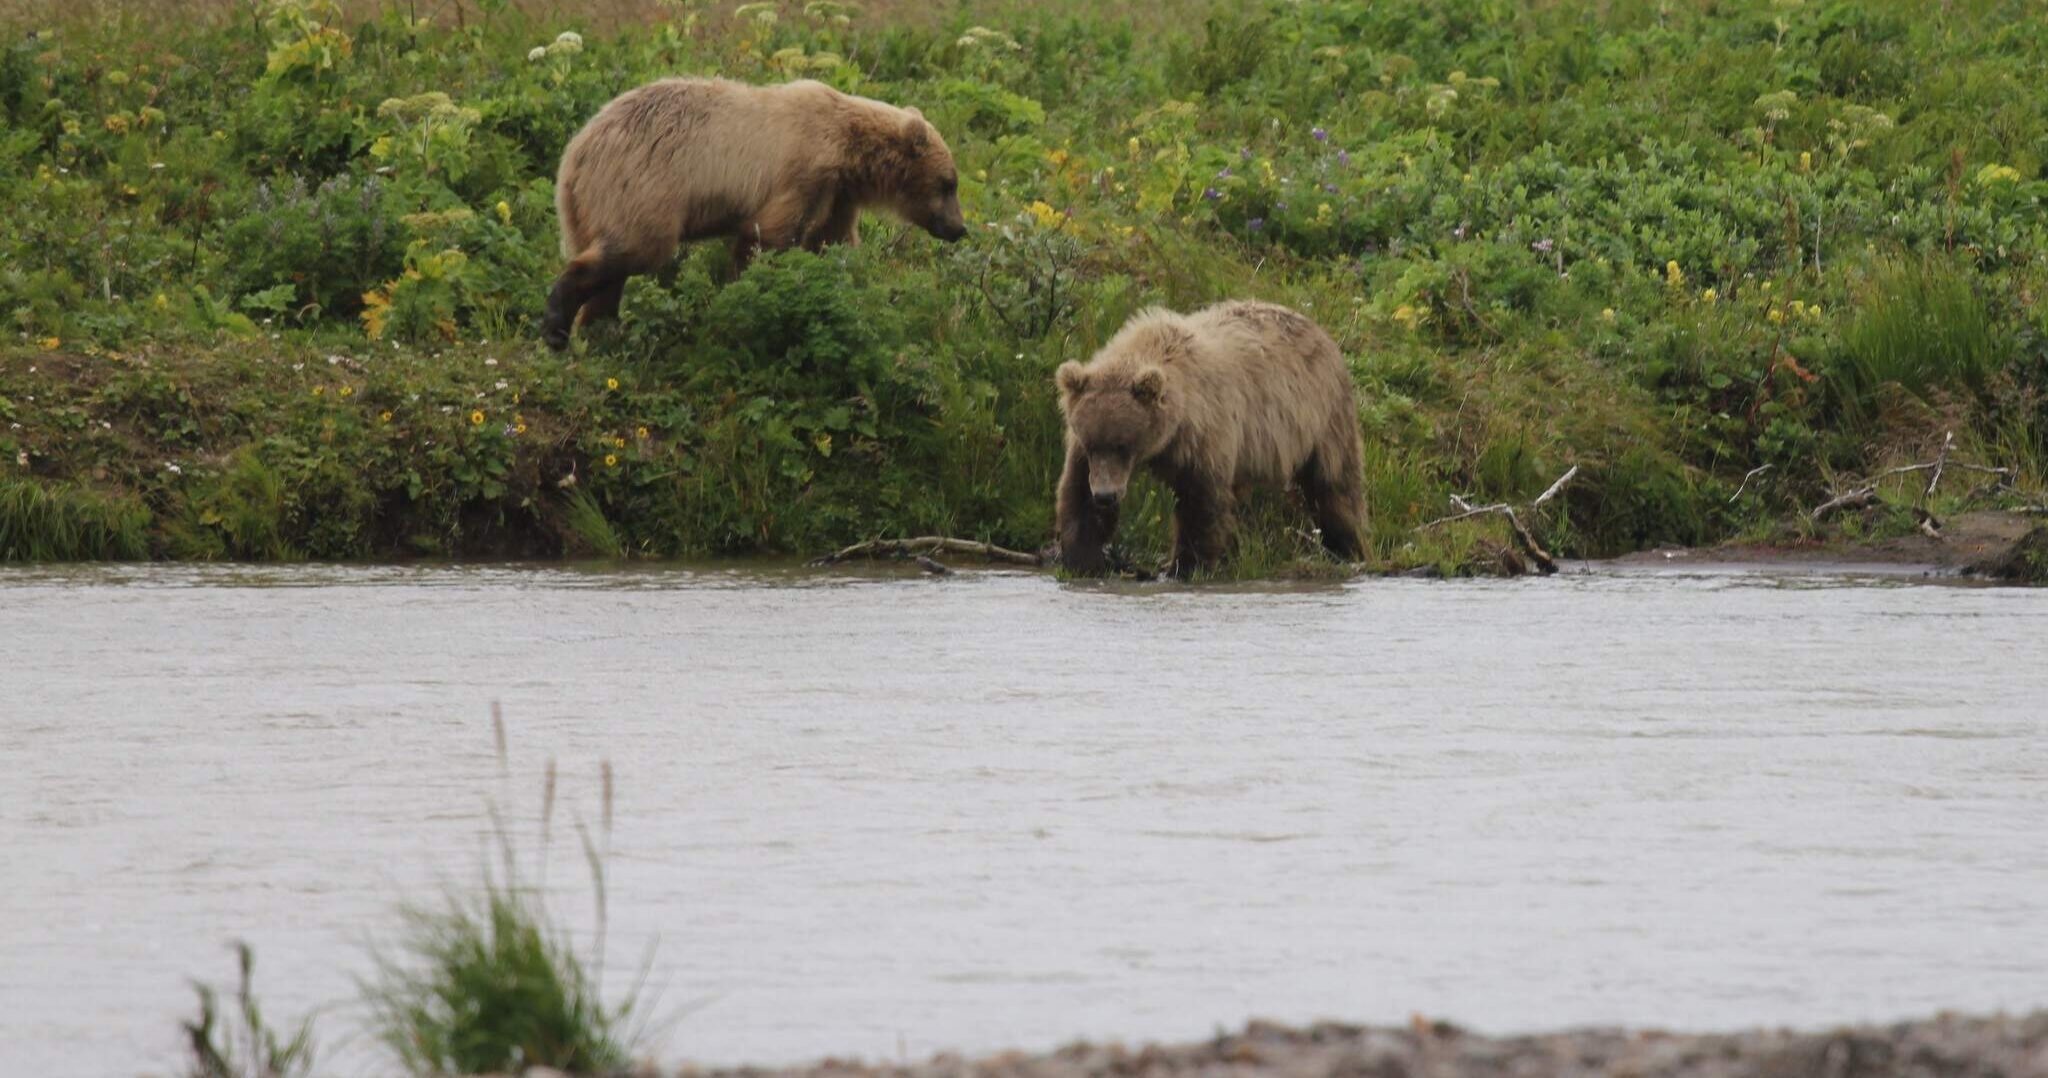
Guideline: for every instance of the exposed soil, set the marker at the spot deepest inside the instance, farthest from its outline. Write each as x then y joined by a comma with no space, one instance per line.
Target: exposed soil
1946,1046
1964,543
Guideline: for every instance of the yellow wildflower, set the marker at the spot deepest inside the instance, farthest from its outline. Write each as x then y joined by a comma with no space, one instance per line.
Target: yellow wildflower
611,460
1673,276
348,391
504,209
618,443
49,343
1777,316
519,428
642,432
383,417
117,123
1045,215
1798,306
1767,288
1057,158
1607,314
1133,144
1806,160
319,391
1813,312
1408,316
611,383
1323,213
476,418
162,302
1709,295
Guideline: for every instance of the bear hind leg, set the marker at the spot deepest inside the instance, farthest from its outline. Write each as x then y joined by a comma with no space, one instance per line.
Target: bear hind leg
1337,498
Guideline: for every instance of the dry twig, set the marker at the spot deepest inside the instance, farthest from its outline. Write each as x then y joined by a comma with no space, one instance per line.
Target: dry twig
924,546
1545,563
1751,474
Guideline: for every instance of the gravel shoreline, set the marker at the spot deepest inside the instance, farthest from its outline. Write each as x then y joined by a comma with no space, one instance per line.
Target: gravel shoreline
1944,1046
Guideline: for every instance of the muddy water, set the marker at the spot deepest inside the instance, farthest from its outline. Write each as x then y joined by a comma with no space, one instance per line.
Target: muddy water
889,815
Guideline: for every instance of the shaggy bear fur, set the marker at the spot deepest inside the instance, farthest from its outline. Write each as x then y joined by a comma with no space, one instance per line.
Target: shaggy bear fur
1234,395
767,166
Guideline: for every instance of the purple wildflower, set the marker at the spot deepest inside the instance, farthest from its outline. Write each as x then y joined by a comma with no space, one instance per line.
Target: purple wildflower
1256,224
1225,174
1320,134
1344,158
1245,154
1212,194
1279,205
1330,188
1542,246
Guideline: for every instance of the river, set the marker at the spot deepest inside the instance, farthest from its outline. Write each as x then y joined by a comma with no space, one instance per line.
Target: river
863,813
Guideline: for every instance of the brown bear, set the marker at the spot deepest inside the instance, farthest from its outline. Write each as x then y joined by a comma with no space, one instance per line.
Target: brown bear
768,166
1238,394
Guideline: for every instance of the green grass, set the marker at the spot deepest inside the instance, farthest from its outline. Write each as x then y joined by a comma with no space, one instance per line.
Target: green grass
41,521
1922,328
260,285
486,987
237,1041
490,983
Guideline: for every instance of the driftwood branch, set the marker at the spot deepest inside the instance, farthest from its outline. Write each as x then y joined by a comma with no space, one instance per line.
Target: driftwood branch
1545,563
1948,442
1552,492
1751,474
1855,499
1858,497
924,546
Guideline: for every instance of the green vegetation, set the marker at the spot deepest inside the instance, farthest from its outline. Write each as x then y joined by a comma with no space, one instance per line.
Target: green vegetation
482,983
494,992
490,984
239,1043
273,272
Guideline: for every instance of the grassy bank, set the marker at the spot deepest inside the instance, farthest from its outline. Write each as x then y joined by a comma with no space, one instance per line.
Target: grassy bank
273,272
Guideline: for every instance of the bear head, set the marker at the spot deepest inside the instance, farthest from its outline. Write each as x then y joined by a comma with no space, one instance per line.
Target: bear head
1117,413
928,190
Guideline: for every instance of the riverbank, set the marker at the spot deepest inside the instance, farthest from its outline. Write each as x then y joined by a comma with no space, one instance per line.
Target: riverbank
1992,544
272,275
1944,1046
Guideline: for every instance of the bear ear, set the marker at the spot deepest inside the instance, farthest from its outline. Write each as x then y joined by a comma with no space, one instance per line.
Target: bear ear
1072,379
913,111
915,130
1148,385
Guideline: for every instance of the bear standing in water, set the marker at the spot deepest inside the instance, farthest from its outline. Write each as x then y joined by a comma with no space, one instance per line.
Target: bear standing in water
1234,395
767,166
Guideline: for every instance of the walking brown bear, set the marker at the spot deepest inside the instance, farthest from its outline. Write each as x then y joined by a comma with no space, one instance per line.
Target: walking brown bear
1235,395
767,166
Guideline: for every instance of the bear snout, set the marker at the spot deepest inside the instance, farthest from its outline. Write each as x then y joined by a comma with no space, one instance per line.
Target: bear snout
1107,499
951,231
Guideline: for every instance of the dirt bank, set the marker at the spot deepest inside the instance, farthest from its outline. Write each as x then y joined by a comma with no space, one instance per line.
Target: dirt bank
1946,1046
1964,543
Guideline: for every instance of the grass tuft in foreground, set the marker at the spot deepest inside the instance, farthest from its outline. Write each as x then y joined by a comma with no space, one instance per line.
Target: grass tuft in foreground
238,1042
491,984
